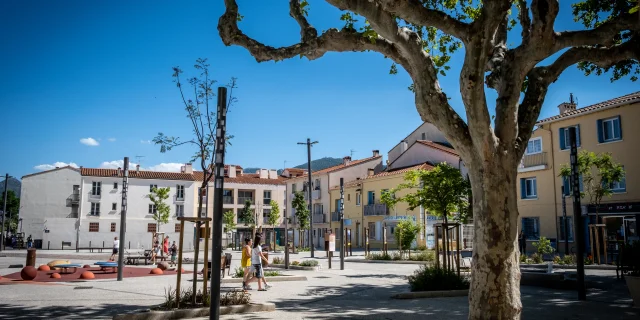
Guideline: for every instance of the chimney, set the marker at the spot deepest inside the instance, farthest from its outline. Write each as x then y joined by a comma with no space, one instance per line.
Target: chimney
231,171
137,167
187,168
568,106
273,174
376,153
346,160
264,173
370,172
404,146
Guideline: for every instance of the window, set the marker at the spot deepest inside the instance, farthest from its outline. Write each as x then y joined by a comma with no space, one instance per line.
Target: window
528,188
609,129
179,210
293,188
177,228
372,230
153,186
96,188
113,227
358,198
531,228
243,196
371,196
151,227
180,192
265,214
115,186
348,196
318,208
561,222
94,227
620,186
227,196
95,209
114,206
534,146
266,196
567,190
152,209
316,185
424,136
565,143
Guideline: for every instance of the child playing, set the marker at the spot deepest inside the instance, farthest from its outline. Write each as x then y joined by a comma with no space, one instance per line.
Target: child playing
174,253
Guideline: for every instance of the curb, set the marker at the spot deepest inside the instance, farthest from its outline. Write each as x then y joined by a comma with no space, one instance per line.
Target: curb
196,313
271,279
559,266
387,261
281,266
431,294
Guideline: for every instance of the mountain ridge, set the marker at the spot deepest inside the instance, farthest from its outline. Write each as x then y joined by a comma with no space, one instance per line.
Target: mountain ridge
316,165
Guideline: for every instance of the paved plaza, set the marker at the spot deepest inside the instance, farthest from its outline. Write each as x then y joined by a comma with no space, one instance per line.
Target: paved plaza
361,291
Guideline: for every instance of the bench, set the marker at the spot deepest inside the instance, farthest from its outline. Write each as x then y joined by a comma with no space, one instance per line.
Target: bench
131,260
65,267
107,265
96,248
223,265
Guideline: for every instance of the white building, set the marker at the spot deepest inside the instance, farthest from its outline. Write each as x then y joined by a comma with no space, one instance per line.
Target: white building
322,181
81,207
426,132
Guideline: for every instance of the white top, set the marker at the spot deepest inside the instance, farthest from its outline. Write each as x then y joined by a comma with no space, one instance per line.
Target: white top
255,255
116,244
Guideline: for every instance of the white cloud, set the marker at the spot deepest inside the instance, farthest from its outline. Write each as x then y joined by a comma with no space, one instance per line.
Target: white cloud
44,167
145,141
89,142
166,167
115,164
112,139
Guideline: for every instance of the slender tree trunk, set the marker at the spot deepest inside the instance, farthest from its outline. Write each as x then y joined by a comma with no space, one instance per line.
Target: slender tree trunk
495,280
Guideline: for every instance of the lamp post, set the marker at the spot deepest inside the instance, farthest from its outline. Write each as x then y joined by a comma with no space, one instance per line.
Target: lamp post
309,144
4,210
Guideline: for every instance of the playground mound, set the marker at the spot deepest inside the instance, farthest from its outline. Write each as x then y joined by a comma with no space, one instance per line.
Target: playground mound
45,276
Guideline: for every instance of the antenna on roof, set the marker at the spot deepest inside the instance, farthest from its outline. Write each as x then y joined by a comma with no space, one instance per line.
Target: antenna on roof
352,152
138,160
571,98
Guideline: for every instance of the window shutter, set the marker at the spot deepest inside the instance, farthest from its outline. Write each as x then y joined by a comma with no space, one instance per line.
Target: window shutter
600,131
565,186
617,128
522,189
563,143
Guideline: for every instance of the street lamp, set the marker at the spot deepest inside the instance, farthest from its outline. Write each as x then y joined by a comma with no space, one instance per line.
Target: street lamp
309,144
4,210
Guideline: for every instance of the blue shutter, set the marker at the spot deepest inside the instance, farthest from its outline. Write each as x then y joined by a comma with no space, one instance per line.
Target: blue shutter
565,186
563,143
600,131
617,128
578,136
523,193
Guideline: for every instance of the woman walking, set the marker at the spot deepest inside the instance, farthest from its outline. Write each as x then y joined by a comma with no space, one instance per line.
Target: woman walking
256,261
245,262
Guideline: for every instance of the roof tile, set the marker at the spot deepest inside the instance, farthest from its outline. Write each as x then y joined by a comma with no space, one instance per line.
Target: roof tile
95,172
626,99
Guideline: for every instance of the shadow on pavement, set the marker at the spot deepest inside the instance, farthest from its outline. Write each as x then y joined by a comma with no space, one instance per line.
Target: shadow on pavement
99,311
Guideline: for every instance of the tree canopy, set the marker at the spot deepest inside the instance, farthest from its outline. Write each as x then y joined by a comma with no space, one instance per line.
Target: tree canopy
301,210
246,214
229,220
158,196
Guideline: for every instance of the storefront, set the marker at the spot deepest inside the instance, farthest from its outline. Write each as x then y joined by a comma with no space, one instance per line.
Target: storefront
620,220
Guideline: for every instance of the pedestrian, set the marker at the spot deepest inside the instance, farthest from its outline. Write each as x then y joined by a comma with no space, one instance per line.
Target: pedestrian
155,252
116,246
245,262
174,253
29,242
256,261
522,243
165,246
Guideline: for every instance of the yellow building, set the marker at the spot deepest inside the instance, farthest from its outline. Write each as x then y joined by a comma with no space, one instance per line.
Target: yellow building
608,126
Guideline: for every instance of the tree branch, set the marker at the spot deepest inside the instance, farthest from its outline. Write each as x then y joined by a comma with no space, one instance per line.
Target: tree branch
604,34
312,48
544,14
525,21
307,32
413,11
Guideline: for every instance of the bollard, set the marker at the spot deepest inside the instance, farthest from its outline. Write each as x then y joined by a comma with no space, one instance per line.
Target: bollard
329,258
48,245
31,257
129,245
103,243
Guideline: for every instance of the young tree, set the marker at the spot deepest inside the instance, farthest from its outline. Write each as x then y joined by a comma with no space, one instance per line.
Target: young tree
13,208
406,232
204,123
274,218
598,171
229,220
246,214
158,197
302,212
420,36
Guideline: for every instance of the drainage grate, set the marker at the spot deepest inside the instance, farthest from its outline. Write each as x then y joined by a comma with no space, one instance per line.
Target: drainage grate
78,288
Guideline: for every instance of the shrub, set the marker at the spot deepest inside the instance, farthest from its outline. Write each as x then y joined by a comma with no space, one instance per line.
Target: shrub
304,249
396,256
378,256
235,297
543,246
569,259
238,272
277,260
421,248
186,296
436,279
588,260
536,258
273,273
295,263
309,263
523,258
423,256
557,260
406,231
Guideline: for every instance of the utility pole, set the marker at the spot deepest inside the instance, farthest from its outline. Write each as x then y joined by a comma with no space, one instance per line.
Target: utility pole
123,216
577,215
343,248
309,144
4,211
565,227
216,248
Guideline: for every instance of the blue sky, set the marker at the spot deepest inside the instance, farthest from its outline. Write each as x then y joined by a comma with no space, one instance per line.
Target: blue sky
76,70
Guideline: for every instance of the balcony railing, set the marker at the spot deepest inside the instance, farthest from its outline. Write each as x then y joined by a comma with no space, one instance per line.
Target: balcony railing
377,209
74,198
335,216
242,200
227,199
179,197
94,196
316,194
319,218
534,160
